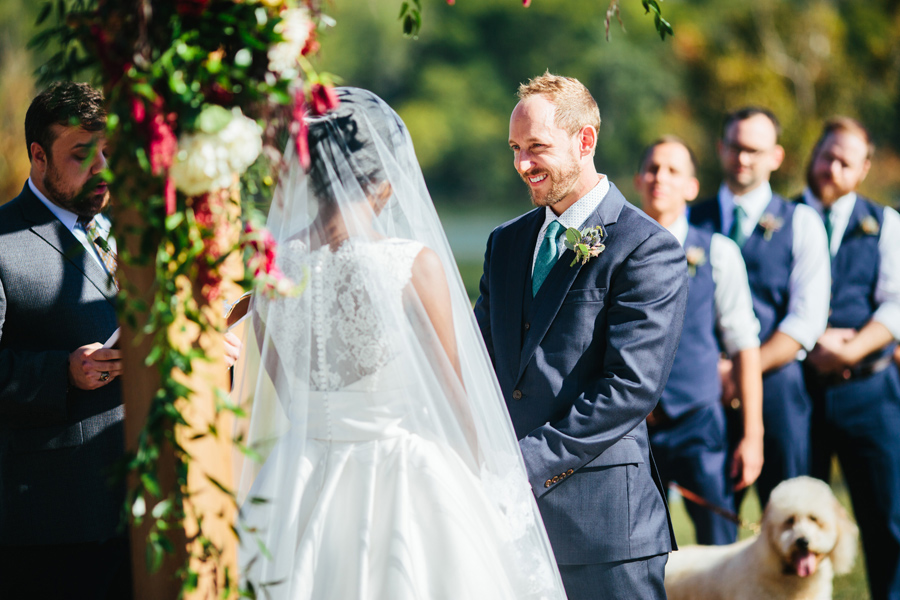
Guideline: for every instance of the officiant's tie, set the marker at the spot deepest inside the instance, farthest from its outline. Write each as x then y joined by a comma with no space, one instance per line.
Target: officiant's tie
547,255
737,227
95,234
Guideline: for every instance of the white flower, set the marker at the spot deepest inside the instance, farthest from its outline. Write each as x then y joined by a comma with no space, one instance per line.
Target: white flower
294,28
209,161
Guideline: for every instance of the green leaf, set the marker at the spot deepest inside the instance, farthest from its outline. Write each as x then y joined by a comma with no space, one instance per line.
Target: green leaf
213,119
573,236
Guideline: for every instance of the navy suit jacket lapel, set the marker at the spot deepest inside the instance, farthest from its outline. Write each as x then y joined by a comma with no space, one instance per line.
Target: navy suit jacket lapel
517,265
46,226
550,297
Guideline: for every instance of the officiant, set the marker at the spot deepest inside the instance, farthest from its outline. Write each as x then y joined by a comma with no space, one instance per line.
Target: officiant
61,411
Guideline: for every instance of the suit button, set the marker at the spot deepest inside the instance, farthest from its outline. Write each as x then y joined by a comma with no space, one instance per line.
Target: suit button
555,479
527,326
517,394
548,483
569,472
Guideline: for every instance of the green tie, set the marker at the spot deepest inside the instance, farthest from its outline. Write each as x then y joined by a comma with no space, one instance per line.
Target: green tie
547,255
829,227
737,226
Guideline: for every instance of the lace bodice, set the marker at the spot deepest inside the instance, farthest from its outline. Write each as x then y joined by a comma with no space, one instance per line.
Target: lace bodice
343,326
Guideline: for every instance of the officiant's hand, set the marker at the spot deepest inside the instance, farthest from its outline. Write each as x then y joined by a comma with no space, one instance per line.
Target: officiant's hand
232,349
93,366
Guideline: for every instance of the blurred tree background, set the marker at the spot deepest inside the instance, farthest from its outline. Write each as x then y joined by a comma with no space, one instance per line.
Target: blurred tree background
455,85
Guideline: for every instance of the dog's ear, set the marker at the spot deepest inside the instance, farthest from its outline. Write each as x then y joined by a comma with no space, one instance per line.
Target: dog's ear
844,553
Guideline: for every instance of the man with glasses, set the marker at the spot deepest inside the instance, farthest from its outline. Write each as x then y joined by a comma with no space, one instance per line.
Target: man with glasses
785,249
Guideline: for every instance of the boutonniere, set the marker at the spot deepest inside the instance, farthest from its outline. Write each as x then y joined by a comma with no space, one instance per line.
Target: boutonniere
771,224
585,244
870,226
696,257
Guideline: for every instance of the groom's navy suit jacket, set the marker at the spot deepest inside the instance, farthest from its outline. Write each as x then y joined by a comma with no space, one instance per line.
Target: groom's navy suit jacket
58,444
581,365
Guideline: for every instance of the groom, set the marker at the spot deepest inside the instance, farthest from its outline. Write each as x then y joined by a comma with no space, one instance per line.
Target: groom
583,351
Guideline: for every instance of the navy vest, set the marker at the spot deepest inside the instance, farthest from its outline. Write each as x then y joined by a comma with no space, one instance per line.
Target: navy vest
694,379
854,269
768,254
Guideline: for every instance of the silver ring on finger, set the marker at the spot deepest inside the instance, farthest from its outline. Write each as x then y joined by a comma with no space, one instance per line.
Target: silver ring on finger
104,375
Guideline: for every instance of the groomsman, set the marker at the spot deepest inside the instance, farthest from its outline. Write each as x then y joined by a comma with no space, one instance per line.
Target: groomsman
687,428
785,249
854,384
582,348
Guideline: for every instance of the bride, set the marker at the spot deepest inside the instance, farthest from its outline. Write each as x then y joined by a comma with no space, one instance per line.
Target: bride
389,468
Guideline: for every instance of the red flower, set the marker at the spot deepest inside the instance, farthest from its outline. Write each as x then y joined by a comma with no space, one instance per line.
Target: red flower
451,2
170,196
324,98
163,144
109,54
526,3
191,8
300,129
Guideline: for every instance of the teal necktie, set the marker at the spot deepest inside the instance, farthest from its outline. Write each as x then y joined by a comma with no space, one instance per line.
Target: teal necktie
547,255
737,226
829,227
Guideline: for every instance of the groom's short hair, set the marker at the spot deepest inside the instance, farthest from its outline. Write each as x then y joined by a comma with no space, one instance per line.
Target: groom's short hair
575,107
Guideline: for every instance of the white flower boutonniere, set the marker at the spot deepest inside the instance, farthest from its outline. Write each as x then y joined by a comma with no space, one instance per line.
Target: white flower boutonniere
585,244
870,226
771,224
696,257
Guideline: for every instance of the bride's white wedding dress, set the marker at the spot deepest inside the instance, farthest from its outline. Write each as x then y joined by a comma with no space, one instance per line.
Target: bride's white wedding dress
379,510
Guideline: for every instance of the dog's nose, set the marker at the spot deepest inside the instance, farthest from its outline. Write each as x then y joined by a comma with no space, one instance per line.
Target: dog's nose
802,543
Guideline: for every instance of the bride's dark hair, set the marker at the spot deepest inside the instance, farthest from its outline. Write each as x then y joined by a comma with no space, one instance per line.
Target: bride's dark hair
350,130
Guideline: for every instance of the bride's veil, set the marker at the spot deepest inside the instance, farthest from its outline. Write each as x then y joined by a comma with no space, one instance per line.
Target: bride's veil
364,350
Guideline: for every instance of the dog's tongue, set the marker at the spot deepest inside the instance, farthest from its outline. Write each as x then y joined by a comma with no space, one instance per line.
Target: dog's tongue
805,564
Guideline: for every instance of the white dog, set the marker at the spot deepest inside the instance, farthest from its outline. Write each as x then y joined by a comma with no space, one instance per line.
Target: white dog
806,539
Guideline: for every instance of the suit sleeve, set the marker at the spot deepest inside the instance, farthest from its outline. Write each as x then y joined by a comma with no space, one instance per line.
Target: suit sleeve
483,304
646,301
33,385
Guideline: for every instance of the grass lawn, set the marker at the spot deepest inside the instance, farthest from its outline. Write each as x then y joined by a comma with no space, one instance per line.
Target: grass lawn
846,587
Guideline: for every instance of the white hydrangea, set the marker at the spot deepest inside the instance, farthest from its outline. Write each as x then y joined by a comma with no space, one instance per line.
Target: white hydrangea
209,161
294,28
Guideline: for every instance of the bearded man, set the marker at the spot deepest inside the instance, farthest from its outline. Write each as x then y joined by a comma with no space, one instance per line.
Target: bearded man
850,374
582,345
61,408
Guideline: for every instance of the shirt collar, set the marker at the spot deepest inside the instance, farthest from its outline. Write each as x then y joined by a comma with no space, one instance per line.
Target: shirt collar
841,208
753,202
577,214
679,229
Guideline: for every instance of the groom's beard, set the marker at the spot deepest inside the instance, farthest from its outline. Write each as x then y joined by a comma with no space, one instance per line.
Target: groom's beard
561,183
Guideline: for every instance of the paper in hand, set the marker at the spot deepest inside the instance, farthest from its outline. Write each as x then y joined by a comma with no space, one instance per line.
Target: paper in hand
113,341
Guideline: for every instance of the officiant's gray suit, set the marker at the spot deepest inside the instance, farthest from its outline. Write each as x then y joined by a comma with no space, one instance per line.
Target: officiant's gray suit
581,365
58,445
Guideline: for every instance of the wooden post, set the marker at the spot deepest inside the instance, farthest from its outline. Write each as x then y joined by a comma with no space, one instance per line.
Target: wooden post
214,555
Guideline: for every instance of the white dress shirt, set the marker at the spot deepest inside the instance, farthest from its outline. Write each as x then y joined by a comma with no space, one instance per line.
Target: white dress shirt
735,320
574,216
810,280
70,220
887,287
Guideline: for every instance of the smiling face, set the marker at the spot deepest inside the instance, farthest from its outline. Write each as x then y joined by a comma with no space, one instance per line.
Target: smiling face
839,166
69,173
666,182
552,162
749,153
